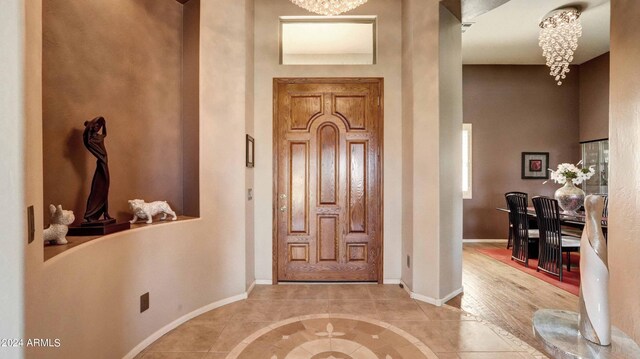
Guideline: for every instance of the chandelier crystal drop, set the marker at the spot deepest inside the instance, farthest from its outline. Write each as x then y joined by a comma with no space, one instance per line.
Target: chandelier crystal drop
328,7
559,33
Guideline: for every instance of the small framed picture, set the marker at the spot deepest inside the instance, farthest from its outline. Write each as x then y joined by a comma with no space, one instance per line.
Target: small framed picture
250,152
535,165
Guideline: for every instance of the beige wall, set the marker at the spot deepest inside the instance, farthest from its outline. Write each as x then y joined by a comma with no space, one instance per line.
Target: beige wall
407,145
450,93
594,99
12,162
267,67
249,172
514,109
624,184
89,296
432,130
189,264
120,59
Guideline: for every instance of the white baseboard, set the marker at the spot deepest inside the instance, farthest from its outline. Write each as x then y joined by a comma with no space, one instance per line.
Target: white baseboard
451,295
424,298
167,328
484,240
253,285
430,300
269,282
405,287
391,281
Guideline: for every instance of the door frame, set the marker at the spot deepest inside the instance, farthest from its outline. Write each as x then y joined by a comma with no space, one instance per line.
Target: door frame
380,161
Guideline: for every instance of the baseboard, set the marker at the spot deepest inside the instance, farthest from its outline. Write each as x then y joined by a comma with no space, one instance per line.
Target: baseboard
391,281
484,241
405,287
451,295
253,285
424,298
167,328
430,300
327,283
263,282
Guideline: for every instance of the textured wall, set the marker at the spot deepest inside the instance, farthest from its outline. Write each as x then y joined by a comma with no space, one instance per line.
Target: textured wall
407,144
514,109
12,162
89,296
450,96
249,224
624,184
594,99
431,131
121,59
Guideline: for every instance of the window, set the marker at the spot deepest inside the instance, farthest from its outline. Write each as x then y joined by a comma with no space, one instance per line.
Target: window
339,40
466,160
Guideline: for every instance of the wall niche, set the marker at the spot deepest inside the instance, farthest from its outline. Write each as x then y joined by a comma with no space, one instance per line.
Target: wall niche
136,63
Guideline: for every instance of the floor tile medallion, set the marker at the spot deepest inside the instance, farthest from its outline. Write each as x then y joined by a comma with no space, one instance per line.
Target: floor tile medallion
331,336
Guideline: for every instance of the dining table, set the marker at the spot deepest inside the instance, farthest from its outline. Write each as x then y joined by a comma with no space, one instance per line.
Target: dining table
572,225
573,221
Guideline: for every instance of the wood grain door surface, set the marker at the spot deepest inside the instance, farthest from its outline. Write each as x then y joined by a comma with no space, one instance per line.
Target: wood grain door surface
328,190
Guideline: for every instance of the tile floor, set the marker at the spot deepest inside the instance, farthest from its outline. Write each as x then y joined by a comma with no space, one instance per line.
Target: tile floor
336,321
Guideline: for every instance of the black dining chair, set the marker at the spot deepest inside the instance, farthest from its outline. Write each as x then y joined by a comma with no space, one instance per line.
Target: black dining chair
605,210
552,242
510,239
519,233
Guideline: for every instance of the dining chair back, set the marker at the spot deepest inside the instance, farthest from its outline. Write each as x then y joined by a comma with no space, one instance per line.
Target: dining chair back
510,238
605,210
518,226
552,242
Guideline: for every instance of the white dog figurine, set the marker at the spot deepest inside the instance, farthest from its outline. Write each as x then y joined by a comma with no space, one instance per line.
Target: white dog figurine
142,210
58,227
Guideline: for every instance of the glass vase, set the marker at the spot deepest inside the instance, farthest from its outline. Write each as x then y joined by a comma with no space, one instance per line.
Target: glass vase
570,198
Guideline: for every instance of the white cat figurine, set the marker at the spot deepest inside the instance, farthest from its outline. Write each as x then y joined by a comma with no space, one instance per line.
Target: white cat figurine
143,210
59,225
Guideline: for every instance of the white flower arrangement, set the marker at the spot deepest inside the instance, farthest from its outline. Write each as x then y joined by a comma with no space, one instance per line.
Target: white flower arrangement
568,171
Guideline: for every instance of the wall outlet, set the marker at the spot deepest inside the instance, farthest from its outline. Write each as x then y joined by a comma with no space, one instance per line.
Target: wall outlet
408,261
144,302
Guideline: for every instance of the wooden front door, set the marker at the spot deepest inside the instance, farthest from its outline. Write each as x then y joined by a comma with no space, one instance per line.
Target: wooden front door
328,191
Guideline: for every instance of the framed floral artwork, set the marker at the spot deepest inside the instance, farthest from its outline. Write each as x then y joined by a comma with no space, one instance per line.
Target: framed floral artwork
535,165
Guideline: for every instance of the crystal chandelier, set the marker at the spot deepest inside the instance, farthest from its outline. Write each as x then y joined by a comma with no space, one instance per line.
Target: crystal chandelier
329,7
559,33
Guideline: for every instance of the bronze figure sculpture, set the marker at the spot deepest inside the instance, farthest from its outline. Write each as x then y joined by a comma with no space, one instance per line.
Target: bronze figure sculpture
98,201
97,221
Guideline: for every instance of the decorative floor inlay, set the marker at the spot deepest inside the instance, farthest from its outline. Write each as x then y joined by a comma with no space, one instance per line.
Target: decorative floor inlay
331,336
320,321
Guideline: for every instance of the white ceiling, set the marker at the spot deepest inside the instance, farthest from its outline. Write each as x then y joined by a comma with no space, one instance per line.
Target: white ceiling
509,33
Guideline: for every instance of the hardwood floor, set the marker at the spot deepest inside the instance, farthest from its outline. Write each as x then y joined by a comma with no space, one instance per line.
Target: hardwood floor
504,295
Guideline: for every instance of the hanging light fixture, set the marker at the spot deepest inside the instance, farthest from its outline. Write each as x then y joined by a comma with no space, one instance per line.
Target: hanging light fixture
559,33
329,7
